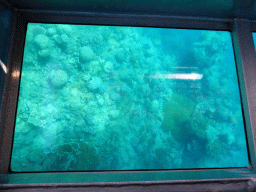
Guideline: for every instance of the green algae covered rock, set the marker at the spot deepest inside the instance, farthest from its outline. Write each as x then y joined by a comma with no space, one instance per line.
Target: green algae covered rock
177,111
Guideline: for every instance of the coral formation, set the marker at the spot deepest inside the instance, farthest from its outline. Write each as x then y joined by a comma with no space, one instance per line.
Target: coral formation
58,78
36,30
108,67
42,41
198,126
86,54
75,156
95,83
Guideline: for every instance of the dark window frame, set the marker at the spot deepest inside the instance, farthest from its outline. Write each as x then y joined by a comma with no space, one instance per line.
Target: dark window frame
245,58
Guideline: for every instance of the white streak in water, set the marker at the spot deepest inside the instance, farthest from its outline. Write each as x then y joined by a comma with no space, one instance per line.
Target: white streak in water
181,76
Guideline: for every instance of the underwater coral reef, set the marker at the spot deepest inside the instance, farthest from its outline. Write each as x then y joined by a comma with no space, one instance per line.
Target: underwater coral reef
105,98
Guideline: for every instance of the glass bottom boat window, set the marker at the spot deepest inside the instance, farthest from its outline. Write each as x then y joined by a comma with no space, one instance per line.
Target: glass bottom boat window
127,98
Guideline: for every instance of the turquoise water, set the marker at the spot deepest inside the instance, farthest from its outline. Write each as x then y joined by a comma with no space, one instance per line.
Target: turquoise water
254,38
127,98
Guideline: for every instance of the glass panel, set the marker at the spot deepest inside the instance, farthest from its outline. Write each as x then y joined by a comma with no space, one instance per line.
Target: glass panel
5,34
127,98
